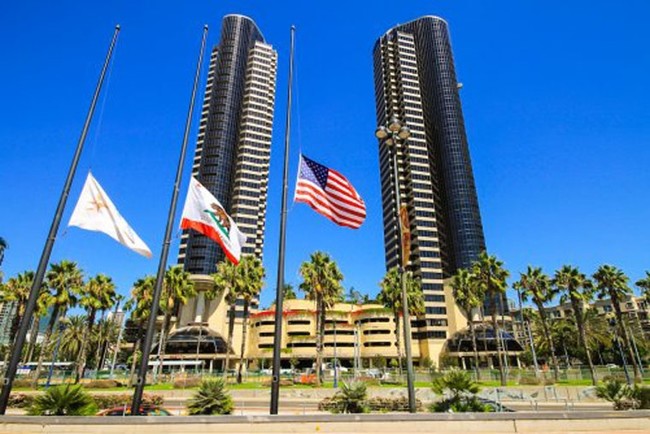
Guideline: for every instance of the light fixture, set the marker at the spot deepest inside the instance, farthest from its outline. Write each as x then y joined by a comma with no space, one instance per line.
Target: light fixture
394,124
381,132
404,133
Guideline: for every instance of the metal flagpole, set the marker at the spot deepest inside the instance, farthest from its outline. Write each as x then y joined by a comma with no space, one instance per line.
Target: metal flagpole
277,338
51,237
151,325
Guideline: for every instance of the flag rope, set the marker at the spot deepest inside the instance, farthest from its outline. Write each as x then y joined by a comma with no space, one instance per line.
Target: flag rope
95,140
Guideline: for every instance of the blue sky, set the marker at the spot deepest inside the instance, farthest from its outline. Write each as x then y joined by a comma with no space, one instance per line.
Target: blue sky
555,97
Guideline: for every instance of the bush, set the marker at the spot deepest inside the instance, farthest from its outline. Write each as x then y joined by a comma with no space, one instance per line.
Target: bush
102,384
63,401
463,404
23,383
187,382
284,382
641,397
529,381
20,400
616,392
391,404
211,398
351,398
118,400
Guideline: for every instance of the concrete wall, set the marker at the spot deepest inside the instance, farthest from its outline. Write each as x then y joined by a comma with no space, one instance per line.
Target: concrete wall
594,422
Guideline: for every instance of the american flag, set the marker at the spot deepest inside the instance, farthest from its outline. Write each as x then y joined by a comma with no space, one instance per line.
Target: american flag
329,193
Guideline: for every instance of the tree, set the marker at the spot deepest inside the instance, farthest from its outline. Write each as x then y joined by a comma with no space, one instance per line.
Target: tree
612,282
99,294
353,296
65,280
72,337
576,288
211,398
489,276
461,392
16,290
288,293
252,280
177,289
536,285
390,296
644,284
3,247
65,400
140,301
469,298
228,280
322,284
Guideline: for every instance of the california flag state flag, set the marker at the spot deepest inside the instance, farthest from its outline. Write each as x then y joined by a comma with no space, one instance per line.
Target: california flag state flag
95,212
203,213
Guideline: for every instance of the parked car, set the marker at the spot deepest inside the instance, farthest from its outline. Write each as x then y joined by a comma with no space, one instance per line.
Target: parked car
126,411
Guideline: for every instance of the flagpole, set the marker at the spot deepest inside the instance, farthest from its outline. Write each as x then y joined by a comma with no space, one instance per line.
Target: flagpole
277,339
49,243
151,325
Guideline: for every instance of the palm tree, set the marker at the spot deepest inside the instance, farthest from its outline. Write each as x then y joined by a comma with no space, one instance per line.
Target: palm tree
490,277
576,288
178,288
3,247
322,284
99,294
288,292
65,280
390,296
16,290
43,303
536,285
140,301
253,275
228,280
353,296
72,337
105,334
211,398
644,284
612,282
469,298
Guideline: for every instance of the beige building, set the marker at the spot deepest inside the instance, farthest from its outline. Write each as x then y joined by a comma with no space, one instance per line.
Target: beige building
354,333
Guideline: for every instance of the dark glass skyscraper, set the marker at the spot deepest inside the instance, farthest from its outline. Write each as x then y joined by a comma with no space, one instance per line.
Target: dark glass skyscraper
234,142
415,81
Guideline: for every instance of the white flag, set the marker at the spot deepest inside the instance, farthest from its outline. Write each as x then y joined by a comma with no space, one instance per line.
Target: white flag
95,212
203,213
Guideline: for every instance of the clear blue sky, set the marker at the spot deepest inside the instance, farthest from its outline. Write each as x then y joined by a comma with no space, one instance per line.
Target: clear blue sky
556,101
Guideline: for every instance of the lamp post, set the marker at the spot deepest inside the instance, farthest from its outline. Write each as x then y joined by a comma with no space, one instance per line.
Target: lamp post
390,135
336,377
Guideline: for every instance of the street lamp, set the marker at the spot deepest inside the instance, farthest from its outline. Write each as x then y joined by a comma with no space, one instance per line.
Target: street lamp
391,134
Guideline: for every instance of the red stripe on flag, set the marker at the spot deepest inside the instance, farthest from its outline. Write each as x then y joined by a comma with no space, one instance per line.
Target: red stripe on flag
209,232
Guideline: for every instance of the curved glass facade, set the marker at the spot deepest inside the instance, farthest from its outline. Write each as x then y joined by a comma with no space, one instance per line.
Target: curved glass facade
234,142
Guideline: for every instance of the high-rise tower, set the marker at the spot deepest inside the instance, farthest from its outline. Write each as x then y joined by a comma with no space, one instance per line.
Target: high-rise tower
415,81
234,142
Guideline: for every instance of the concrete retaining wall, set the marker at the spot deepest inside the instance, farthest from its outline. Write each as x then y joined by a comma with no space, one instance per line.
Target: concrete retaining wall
595,422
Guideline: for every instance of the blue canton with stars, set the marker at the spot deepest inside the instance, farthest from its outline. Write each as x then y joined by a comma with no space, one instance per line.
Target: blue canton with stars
314,172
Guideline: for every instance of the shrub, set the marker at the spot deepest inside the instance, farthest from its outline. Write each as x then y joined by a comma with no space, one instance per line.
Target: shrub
102,384
211,398
20,400
529,381
351,398
616,392
284,382
24,383
641,395
187,382
463,404
63,401
391,404
462,393
118,400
